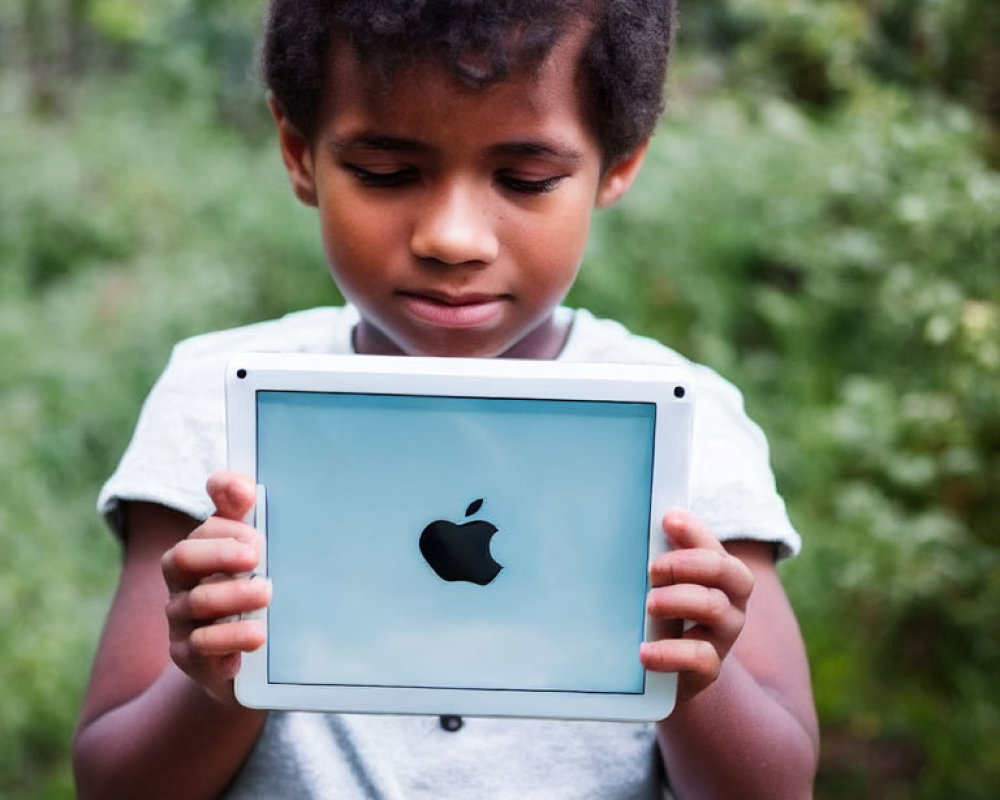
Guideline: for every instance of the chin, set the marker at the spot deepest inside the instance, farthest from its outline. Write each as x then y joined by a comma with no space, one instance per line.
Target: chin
456,344
457,350
437,342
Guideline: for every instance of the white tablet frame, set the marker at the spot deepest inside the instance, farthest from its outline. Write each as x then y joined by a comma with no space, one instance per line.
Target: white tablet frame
670,388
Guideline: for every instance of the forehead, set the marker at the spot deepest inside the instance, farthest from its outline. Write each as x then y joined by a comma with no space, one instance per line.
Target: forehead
424,88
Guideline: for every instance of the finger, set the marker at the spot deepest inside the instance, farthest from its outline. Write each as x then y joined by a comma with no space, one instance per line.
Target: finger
213,673
704,568
708,608
706,605
684,530
234,494
224,638
221,528
188,562
693,656
217,600
229,666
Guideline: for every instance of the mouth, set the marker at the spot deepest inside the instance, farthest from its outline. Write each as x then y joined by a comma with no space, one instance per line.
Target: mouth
453,310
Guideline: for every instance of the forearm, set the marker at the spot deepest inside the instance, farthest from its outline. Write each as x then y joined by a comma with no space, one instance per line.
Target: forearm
173,740
737,739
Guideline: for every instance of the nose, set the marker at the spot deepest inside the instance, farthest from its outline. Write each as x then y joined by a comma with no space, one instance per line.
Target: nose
454,227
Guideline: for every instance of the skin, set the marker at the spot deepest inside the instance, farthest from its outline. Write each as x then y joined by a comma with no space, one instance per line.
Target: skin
455,219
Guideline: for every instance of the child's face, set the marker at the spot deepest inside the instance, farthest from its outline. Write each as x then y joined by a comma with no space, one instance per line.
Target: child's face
454,218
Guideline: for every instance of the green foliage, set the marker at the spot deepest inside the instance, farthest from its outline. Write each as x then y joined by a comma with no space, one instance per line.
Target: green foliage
819,53
830,44
817,219
845,273
119,234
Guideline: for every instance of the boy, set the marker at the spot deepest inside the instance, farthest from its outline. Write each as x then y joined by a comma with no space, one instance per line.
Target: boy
454,150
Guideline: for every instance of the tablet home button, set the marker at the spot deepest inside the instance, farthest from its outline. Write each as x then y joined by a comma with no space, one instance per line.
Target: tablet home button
451,723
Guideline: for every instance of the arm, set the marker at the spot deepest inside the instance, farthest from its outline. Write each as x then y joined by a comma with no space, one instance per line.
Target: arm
745,722
159,718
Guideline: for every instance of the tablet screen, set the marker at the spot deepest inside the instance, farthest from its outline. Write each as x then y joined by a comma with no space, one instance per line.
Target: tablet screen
456,542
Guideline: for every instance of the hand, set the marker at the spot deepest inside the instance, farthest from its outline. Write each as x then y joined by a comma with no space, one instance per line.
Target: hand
208,591
697,581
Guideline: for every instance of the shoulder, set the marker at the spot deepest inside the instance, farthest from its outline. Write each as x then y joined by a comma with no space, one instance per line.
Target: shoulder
179,437
732,485
720,408
606,341
191,389
198,363
326,329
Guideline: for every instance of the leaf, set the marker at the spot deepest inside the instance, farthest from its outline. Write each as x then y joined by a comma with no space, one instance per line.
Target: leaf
474,506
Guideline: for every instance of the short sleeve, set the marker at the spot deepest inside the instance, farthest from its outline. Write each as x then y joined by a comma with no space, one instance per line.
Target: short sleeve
179,440
180,437
732,487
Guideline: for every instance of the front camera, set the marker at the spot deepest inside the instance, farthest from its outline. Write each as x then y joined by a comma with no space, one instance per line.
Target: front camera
241,373
679,392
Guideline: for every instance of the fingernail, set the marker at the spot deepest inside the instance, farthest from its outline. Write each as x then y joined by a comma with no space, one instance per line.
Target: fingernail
675,517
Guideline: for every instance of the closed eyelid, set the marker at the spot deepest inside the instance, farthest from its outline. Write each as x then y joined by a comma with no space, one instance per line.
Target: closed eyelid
535,166
376,166
540,150
523,185
377,159
382,179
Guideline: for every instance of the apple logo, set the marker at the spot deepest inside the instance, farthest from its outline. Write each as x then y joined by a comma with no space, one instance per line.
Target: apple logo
461,552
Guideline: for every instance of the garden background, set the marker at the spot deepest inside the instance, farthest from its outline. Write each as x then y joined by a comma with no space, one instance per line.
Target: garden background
819,220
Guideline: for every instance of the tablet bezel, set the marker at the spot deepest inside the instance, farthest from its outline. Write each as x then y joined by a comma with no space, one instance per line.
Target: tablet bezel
669,388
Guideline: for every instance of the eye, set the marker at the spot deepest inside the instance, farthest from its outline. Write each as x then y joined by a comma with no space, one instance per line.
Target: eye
381,180
526,186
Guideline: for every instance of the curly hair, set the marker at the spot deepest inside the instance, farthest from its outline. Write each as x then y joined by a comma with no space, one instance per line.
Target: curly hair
622,68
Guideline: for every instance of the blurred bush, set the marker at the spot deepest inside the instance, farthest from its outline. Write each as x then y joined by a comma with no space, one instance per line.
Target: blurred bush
822,223
845,275
818,219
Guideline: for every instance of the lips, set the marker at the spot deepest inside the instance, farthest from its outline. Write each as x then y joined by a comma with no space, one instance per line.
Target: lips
453,310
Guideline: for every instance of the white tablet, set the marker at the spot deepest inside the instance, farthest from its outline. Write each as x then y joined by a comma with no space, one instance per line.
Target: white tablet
458,536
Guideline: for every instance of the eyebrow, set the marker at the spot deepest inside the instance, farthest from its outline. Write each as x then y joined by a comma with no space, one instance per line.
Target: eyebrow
542,149
528,148
370,141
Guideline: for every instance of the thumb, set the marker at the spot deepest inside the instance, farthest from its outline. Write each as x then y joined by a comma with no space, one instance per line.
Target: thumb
234,494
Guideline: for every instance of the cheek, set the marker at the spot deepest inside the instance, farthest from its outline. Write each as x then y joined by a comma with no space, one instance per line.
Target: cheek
560,244
353,242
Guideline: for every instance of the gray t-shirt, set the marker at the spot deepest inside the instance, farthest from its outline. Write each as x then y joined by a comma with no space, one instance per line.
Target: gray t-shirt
180,439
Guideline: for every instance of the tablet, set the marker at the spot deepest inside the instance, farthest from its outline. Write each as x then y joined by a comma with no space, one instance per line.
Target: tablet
458,536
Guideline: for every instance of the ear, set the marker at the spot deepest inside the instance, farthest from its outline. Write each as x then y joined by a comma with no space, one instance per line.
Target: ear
296,153
617,179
